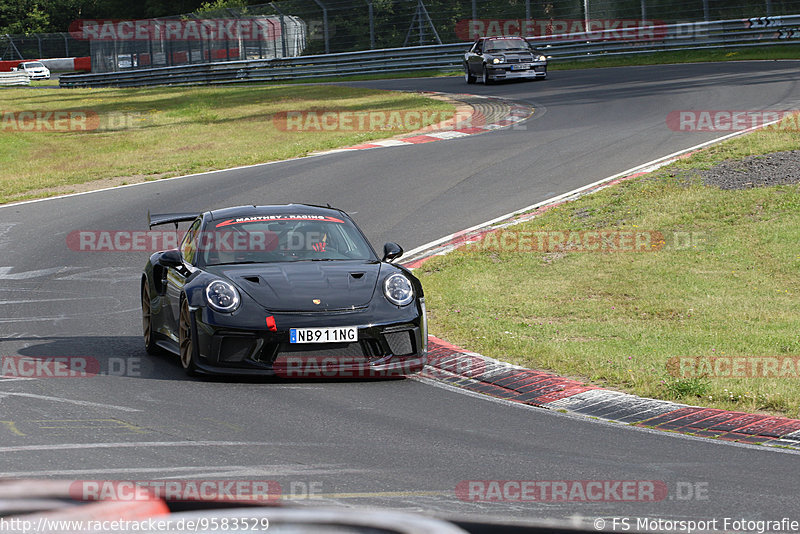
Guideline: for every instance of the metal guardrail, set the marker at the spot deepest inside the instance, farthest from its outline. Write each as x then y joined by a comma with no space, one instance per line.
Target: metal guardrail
14,78
762,31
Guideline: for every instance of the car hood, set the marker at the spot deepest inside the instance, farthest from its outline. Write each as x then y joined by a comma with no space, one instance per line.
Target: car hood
521,56
306,286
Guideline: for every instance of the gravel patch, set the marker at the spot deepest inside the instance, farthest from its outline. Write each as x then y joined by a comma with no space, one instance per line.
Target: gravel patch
778,168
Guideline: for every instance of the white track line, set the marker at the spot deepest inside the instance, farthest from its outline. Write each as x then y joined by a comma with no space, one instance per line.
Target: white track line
137,444
68,401
192,472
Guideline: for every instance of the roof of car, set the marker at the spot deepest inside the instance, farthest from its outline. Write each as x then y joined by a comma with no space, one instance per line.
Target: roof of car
254,211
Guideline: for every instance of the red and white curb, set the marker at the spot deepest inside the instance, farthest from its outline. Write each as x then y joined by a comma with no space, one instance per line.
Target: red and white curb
474,372
513,114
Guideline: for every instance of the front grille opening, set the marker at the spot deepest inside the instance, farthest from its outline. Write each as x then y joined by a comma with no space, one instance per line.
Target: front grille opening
343,350
401,343
236,349
362,351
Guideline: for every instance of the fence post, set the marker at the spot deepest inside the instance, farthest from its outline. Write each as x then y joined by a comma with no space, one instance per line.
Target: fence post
39,39
283,28
66,45
644,11
769,8
474,9
371,26
586,15
527,9
324,25
706,14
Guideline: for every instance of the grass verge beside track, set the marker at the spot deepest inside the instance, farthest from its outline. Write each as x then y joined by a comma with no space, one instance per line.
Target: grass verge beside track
681,56
169,131
724,282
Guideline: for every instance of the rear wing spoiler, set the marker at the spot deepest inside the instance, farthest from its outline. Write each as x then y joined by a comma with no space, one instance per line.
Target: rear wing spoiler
170,218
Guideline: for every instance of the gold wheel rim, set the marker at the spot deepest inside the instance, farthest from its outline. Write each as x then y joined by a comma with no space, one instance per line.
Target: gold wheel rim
185,337
146,323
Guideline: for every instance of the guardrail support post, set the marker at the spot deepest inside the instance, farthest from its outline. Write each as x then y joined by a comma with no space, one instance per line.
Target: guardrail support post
324,25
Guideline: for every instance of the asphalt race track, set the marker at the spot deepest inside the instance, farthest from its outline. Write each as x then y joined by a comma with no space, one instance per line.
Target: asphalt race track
400,444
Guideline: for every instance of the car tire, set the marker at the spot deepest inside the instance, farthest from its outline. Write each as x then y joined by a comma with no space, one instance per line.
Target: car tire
468,76
147,322
486,79
186,340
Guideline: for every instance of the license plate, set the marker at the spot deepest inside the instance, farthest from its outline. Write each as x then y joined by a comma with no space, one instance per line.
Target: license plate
344,334
520,67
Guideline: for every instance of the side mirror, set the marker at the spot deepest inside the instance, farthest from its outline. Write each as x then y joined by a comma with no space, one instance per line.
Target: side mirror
171,258
392,251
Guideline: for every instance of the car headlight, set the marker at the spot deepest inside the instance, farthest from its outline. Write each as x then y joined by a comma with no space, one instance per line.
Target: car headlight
398,289
497,60
541,58
222,296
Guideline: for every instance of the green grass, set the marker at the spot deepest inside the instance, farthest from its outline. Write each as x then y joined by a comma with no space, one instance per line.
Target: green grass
685,56
168,131
727,285
394,75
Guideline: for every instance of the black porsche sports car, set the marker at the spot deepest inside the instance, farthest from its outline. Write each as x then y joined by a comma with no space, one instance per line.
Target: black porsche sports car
503,58
291,290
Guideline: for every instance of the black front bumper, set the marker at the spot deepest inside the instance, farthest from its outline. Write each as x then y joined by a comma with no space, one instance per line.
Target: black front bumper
388,349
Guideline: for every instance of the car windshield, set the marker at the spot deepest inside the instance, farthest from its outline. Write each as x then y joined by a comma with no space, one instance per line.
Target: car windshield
282,239
504,45
34,65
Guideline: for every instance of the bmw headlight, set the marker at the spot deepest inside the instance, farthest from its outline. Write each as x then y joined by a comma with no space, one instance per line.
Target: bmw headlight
222,296
398,289
497,60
